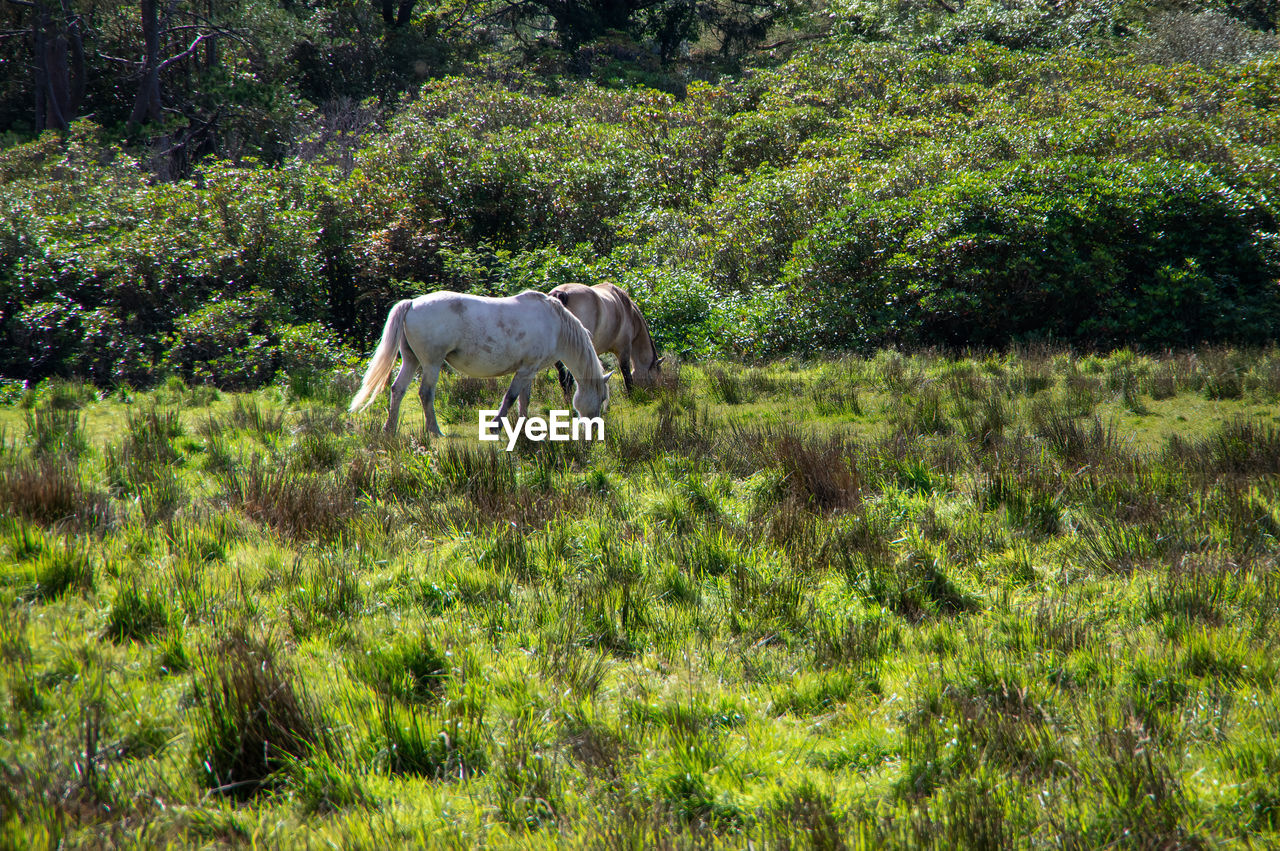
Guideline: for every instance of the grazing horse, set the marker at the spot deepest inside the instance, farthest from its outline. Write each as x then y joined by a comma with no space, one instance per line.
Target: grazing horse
616,325
482,337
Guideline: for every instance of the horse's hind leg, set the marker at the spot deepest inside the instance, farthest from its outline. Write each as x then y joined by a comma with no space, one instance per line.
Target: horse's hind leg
408,367
427,393
566,379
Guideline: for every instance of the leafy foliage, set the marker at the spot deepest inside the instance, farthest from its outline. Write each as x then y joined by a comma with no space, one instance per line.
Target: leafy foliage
915,176
1067,249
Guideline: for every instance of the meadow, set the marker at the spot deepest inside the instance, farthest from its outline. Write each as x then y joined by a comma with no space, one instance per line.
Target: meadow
1026,599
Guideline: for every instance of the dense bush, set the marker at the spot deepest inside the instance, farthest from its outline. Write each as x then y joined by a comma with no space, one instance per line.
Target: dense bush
244,342
856,194
1011,23
1069,249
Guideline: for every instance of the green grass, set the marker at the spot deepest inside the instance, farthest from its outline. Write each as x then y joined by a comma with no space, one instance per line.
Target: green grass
906,601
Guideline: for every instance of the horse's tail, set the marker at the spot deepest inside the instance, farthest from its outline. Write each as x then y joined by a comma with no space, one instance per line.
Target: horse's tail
384,357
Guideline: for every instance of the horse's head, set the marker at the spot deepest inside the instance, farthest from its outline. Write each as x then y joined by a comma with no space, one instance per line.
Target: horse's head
591,398
648,375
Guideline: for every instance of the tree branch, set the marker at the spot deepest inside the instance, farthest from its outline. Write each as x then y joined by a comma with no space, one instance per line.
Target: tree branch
793,40
191,48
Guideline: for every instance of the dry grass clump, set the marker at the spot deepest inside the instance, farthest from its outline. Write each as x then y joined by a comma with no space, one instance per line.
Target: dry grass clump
300,505
52,492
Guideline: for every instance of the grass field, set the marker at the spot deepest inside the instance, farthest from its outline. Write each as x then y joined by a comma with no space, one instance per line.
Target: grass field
1024,600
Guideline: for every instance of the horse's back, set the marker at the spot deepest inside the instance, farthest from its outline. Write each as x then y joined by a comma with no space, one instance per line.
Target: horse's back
483,335
603,309
530,303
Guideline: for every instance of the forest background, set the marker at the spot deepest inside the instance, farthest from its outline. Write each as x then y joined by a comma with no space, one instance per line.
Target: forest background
225,190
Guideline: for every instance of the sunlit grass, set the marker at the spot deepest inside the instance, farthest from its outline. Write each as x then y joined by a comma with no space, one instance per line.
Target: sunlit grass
891,601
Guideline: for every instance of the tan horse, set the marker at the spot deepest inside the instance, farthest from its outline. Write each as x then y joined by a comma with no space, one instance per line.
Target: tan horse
616,325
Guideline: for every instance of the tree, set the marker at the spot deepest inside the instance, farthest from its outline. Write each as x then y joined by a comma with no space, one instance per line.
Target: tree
402,14
148,106
56,37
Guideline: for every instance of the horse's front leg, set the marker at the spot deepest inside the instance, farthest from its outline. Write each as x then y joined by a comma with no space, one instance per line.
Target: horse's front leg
521,387
427,393
566,380
624,364
408,366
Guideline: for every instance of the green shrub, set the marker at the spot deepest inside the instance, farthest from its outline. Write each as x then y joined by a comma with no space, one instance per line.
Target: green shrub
1100,254
242,342
685,315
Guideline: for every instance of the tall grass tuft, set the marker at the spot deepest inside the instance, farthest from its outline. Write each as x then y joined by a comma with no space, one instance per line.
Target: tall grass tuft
1144,801
916,585
1090,443
805,815
836,399
62,395
487,476
687,798
55,431
507,551
921,411
562,657
818,474
250,416
855,643
1243,447
409,671
526,777
726,386
1223,374
253,719
446,742
321,785
136,615
60,570
50,491
143,464
300,505
330,593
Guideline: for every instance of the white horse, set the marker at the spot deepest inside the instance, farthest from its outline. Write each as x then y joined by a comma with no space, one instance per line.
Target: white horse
482,337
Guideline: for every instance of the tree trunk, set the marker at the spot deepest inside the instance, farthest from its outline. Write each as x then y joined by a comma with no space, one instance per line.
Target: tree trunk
397,15
211,46
53,81
75,42
38,70
147,107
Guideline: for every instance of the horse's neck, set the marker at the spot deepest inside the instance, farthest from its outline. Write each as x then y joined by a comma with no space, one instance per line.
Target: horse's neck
643,352
576,350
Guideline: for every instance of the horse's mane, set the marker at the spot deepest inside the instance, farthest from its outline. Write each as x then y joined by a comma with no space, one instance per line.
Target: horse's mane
644,324
575,337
